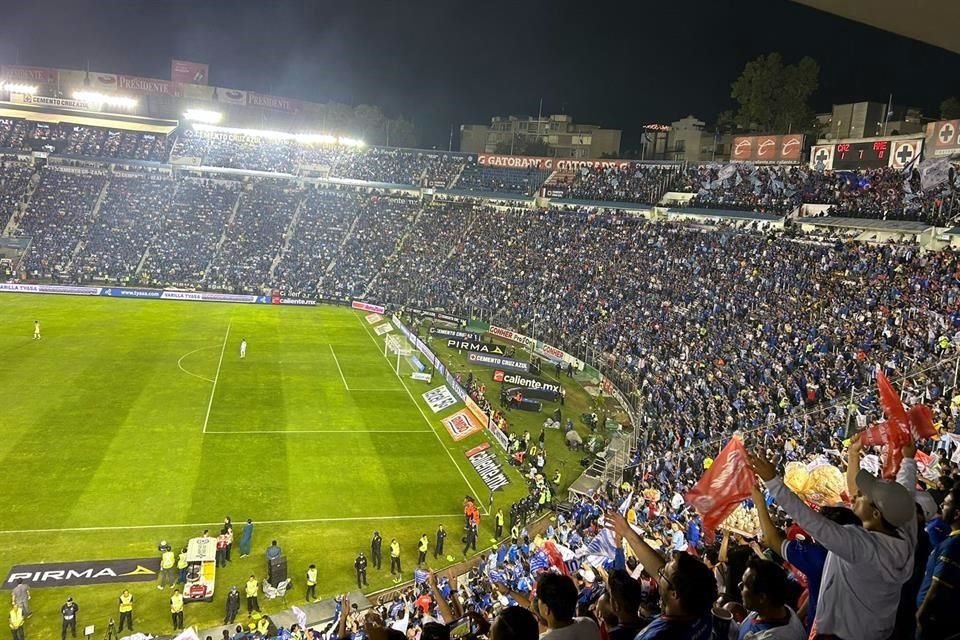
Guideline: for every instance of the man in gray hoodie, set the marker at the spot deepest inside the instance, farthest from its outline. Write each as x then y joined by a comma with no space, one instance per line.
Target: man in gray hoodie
865,567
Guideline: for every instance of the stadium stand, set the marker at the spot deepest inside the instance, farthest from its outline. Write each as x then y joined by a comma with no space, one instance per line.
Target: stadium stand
710,330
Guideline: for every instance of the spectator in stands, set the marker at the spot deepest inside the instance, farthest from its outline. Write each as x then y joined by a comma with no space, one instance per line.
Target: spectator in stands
937,598
515,623
556,604
764,589
865,567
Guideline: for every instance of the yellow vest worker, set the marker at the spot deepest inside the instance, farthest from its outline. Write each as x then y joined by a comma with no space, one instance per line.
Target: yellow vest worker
263,626
126,602
312,577
394,549
424,543
176,602
252,588
167,560
182,561
16,618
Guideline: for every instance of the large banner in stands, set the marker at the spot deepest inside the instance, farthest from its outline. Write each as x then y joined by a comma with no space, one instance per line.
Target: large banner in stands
50,288
498,362
437,316
71,574
189,72
453,333
363,306
943,138
150,85
548,164
767,149
32,75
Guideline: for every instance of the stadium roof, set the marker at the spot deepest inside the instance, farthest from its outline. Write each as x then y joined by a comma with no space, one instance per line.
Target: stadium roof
931,21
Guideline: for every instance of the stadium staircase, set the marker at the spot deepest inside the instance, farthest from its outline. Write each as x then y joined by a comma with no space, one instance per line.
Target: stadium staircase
223,237
22,207
287,237
396,251
94,215
146,251
456,178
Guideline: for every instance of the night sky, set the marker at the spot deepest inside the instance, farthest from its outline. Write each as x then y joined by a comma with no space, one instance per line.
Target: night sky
442,63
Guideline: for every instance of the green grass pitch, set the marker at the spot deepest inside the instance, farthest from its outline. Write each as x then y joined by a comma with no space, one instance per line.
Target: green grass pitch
134,421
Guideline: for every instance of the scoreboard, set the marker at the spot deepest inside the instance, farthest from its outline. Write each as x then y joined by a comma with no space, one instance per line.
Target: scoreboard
865,154
861,155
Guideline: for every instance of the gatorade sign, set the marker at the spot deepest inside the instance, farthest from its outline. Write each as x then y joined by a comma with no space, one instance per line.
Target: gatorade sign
69,574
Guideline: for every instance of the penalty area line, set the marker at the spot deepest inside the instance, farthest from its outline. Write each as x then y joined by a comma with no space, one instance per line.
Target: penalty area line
190,373
426,419
334,354
216,378
199,525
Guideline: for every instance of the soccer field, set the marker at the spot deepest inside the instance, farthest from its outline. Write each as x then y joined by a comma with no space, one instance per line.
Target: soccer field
131,421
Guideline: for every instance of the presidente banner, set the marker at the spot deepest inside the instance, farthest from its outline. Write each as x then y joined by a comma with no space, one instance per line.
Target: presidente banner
485,462
943,138
453,333
526,382
475,345
70,574
549,164
273,102
498,362
150,85
28,75
767,149
189,72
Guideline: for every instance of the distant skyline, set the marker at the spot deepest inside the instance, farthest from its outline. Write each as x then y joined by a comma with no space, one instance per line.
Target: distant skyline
444,64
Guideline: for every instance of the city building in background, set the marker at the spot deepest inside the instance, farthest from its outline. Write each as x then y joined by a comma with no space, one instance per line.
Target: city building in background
554,135
687,140
870,119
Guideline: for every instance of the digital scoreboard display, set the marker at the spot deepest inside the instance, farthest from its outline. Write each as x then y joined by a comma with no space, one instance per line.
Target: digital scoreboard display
861,155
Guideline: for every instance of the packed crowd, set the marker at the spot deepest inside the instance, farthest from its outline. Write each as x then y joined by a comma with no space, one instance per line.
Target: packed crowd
483,179
643,184
744,187
90,142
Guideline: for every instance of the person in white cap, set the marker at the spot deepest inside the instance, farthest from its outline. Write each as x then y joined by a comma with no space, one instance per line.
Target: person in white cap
866,566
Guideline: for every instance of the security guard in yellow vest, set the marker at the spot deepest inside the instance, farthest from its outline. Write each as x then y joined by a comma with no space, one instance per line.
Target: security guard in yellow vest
126,610
422,547
252,590
514,534
263,626
167,561
17,621
182,566
498,523
176,610
312,583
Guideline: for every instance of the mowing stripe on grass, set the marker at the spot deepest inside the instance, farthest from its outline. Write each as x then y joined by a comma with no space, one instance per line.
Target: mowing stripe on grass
199,525
216,377
334,354
425,418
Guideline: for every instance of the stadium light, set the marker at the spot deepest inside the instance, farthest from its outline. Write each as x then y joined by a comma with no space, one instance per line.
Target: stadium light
14,87
203,115
92,97
302,138
351,142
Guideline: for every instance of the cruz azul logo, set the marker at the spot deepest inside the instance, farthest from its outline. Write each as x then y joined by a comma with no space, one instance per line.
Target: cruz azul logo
68,574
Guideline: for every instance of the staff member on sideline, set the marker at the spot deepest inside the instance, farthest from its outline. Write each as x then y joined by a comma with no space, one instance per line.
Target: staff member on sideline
312,582
376,550
176,610
395,559
360,564
69,614
126,609
422,549
441,538
252,590
17,620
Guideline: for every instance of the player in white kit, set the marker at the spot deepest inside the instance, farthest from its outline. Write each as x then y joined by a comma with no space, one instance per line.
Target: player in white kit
36,329
243,348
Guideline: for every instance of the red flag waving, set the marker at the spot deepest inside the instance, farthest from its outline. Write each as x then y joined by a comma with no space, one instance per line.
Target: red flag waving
727,482
894,432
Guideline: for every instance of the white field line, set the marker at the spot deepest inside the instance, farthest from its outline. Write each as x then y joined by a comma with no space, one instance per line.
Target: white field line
200,525
334,354
216,378
296,431
190,373
473,491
